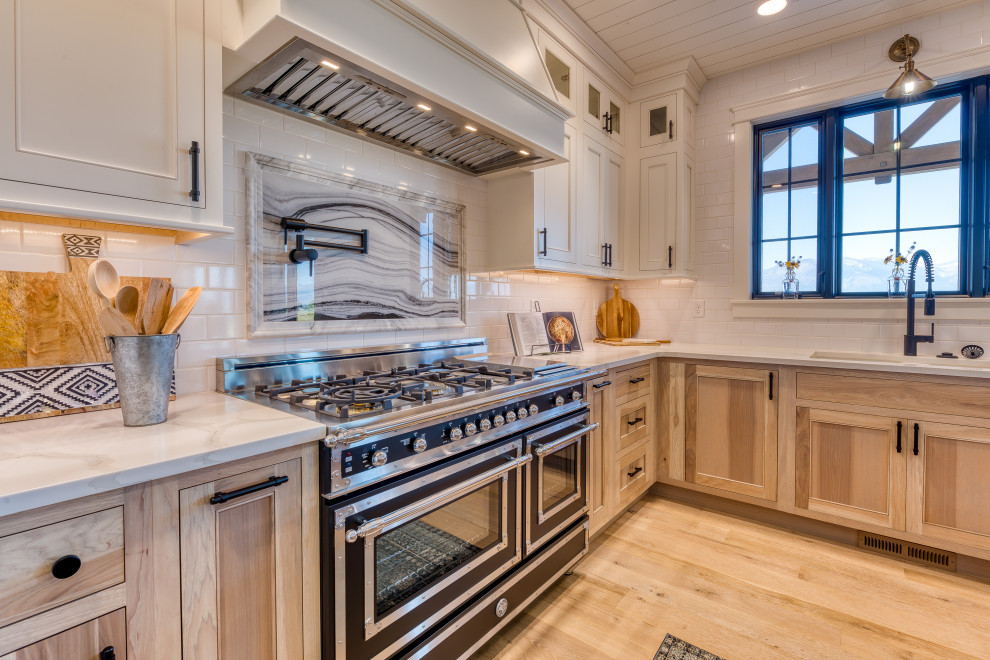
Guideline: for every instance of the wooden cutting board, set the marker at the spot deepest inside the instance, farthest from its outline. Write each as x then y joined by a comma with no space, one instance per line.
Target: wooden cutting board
49,319
631,342
617,318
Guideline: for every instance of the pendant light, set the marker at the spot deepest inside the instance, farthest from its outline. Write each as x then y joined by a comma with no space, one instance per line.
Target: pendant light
911,81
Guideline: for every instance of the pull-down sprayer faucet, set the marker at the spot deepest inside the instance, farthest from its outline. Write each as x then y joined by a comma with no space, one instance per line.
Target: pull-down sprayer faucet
912,340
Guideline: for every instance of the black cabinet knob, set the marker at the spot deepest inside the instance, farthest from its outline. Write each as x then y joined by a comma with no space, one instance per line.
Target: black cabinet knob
66,567
108,654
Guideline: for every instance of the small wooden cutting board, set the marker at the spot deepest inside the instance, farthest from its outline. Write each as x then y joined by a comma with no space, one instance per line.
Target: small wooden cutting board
617,317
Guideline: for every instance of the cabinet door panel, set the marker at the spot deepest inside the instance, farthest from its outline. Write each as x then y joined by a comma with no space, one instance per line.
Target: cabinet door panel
600,456
848,465
658,212
613,199
83,642
950,484
560,207
107,95
241,568
593,158
731,434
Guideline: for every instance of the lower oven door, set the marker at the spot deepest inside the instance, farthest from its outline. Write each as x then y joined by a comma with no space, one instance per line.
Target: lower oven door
407,555
556,478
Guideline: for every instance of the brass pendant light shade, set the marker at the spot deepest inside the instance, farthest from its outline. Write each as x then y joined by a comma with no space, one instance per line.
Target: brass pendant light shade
911,82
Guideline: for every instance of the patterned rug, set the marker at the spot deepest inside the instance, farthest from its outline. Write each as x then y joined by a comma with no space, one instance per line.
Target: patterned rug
675,648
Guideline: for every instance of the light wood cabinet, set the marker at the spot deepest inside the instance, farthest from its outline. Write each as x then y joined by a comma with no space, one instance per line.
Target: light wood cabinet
601,397
242,566
851,465
731,430
103,638
948,487
106,99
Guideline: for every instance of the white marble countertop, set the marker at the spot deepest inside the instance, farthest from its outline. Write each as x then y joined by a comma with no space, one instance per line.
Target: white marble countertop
602,357
56,459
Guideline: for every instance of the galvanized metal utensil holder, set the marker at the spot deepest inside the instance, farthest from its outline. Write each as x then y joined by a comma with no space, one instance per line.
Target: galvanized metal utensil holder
143,366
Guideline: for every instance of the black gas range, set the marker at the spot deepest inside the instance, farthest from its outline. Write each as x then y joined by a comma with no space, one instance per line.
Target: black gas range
454,486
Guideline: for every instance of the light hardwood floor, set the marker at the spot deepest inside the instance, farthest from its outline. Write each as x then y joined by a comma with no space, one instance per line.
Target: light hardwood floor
744,590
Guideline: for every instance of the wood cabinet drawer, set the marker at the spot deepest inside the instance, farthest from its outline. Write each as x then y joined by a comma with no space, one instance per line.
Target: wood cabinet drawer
83,642
633,475
47,566
632,383
913,396
635,423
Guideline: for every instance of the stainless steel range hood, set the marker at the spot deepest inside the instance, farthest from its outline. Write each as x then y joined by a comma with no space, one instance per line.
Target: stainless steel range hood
388,72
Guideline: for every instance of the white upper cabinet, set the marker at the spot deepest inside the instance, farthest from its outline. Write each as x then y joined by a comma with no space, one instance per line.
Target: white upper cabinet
556,214
666,215
658,121
603,109
563,71
108,103
601,203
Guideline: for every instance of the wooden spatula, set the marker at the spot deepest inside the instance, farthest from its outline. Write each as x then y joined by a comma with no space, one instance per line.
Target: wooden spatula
181,310
156,306
114,323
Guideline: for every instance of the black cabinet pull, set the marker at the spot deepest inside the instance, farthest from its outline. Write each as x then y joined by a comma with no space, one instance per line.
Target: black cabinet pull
601,385
670,256
543,252
108,654
899,424
635,472
221,497
609,255
635,421
194,155
65,567
637,380
771,386
916,429
604,254
670,130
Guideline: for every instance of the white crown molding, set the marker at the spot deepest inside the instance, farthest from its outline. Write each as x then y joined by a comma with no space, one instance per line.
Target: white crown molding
567,18
508,77
945,68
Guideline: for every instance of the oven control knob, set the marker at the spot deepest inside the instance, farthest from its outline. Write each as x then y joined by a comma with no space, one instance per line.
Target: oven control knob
558,400
419,445
575,396
522,413
470,428
485,424
498,420
455,433
379,458
510,416
533,409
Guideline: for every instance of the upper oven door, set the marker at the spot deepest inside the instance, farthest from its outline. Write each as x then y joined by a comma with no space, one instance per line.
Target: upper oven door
556,478
406,555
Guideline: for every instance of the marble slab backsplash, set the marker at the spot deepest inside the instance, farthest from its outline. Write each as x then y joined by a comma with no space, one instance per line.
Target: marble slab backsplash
410,274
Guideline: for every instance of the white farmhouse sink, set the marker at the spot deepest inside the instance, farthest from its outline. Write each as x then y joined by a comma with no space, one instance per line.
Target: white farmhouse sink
893,358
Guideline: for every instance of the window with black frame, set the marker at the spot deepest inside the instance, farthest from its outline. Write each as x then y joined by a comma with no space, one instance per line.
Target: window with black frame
850,193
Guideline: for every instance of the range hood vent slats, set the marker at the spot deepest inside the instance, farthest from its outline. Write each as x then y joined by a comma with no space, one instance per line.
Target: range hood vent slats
352,99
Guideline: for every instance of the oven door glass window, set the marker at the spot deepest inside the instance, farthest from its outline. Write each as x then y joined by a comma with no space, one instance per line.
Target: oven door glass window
560,477
419,554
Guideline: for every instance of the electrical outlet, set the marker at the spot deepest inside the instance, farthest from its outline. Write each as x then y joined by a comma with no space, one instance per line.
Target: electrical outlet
698,308
534,305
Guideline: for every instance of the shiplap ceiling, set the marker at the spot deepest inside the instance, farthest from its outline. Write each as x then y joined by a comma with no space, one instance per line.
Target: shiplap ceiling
725,35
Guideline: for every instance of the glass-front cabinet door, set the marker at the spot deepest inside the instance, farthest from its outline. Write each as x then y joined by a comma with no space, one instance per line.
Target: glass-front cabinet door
557,489
603,108
658,121
563,70
408,555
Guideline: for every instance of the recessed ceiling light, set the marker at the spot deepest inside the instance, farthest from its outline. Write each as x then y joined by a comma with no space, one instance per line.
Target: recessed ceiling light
524,152
471,128
771,7
423,106
330,65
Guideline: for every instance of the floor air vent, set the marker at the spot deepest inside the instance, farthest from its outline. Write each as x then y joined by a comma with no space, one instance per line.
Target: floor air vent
920,554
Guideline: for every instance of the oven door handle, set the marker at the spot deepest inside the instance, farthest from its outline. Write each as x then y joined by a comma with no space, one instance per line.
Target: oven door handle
560,443
375,526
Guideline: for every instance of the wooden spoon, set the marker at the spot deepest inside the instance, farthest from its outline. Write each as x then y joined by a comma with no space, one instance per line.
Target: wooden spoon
115,324
127,303
104,281
181,310
157,303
